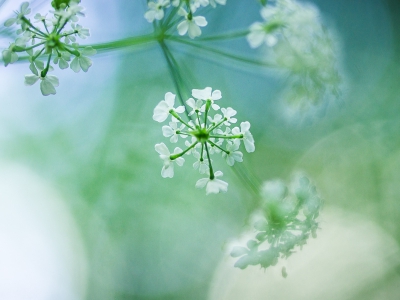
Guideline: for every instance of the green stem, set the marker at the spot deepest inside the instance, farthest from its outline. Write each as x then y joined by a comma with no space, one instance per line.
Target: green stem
38,31
172,112
37,55
237,136
44,72
215,126
34,46
220,52
198,118
175,156
45,26
208,105
73,52
225,36
215,145
209,163
124,43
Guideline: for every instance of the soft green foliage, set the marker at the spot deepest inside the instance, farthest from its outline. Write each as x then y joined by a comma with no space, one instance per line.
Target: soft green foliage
288,218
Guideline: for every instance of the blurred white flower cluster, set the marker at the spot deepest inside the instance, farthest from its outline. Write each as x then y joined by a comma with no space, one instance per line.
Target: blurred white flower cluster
287,219
182,8
301,45
53,39
204,136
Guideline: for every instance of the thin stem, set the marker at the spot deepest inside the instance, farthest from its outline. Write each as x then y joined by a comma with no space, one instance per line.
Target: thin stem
32,26
45,26
175,156
215,145
38,33
225,36
34,46
209,163
44,72
202,152
220,52
198,117
73,52
237,136
37,55
173,113
217,125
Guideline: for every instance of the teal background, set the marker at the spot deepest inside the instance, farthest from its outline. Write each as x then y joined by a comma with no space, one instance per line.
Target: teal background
145,237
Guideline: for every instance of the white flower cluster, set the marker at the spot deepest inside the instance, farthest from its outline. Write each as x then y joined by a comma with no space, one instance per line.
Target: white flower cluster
287,219
184,8
52,39
302,46
203,136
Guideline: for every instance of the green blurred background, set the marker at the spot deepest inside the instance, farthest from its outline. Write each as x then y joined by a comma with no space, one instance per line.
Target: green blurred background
86,215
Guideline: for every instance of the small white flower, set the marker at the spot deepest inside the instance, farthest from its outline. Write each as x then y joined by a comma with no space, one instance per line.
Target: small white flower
233,155
201,165
208,94
193,150
83,62
248,139
156,10
83,33
190,25
161,111
25,10
228,114
213,149
196,106
47,84
173,131
217,118
213,186
259,35
168,167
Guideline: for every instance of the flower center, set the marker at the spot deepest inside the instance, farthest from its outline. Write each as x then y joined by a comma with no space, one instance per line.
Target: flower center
201,134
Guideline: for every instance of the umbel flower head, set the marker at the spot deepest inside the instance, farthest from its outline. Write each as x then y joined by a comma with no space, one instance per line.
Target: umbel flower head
203,136
54,39
300,44
181,12
286,220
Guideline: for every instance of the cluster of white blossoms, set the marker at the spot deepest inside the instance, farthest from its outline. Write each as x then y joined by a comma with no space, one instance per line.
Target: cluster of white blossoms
50,37
301,45
286,220
203,136
183,9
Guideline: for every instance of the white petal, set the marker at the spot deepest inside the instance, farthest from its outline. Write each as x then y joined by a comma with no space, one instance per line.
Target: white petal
216,186
249,146
200,21
170,99
244,126
201,182
167,171
183,27
31,79
85,63
52,79
218,174
255,38
162,149
174,138
167,131
47,88
179,161
75,66
216,95
193,30
161,112
180,109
